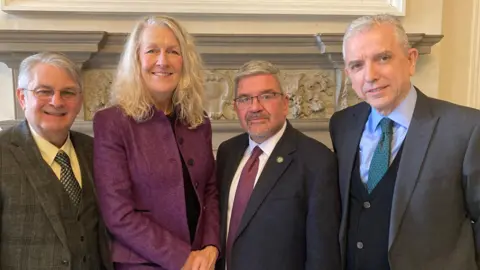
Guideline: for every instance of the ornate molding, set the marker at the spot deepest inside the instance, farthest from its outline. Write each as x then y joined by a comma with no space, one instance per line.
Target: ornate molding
95,49
474,77
232,7
15,45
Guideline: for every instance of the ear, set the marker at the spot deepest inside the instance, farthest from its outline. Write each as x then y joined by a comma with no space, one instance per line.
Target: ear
21,97
346,70
412,56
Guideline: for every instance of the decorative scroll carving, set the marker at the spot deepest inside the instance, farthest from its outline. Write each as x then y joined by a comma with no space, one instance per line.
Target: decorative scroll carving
218,91
311,93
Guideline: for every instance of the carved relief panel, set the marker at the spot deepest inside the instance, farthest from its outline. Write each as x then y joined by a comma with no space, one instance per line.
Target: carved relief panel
311,93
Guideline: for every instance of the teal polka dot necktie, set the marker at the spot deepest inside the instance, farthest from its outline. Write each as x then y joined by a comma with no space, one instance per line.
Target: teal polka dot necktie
381,156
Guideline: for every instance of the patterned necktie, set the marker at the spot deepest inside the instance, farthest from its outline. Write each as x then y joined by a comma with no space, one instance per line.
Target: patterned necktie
381,156
242,196
67,178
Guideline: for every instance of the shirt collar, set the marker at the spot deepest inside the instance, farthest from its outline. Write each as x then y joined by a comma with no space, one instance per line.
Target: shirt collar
402,115
47,149
268,145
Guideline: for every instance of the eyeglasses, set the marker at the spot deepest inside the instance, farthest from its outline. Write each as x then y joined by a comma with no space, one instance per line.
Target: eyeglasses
246,101
47,94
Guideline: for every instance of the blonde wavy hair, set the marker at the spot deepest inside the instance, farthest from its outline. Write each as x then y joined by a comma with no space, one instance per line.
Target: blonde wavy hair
129,91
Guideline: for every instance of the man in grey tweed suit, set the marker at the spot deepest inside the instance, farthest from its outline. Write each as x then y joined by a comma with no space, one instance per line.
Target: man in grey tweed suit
49,215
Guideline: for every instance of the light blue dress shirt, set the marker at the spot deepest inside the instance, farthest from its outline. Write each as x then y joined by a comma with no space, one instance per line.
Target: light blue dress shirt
401,116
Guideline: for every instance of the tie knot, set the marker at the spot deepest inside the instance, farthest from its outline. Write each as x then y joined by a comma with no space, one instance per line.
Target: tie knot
62,159
257,151
386,124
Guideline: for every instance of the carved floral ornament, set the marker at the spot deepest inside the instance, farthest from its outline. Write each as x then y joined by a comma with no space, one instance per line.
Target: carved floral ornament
311,93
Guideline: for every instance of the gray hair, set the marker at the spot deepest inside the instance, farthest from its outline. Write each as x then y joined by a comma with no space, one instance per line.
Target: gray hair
370,21
58,60
256,67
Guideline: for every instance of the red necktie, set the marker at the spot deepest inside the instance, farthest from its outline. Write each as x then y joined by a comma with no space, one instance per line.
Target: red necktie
242,196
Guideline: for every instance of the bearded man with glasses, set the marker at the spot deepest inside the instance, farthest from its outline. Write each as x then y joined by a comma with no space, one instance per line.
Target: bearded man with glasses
279,197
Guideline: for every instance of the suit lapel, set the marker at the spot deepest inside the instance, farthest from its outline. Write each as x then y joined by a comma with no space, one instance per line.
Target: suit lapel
39,175
233,158
414,149
349,152
272,171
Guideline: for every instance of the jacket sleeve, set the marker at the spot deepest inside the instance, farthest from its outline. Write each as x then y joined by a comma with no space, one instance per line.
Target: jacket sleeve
471,177
134,230
323,218
211,232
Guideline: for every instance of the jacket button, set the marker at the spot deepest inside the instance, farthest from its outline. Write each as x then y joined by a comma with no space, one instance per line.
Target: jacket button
204,208
84,259
196,184
180,141
366,205
82,238
190,162
65,262
359,245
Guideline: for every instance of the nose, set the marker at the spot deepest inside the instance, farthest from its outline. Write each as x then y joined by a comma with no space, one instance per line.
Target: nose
256,105
371,74
162,58
56,100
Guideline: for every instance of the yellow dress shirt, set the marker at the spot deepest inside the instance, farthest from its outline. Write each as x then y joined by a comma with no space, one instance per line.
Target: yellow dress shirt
49,151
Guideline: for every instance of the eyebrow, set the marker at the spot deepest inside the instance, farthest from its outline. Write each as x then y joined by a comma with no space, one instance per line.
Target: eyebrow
355,62
384,53
375,56
49,87
150,45
261,92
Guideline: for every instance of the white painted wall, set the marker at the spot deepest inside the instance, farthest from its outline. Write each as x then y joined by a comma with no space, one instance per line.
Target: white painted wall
417,20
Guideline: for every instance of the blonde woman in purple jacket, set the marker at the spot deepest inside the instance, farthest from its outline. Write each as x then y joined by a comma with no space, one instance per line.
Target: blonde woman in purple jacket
153,160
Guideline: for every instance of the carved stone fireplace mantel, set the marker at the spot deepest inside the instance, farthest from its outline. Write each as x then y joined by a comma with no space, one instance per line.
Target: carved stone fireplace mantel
311,71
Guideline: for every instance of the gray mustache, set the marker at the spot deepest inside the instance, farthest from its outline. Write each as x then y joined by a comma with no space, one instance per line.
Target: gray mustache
256,117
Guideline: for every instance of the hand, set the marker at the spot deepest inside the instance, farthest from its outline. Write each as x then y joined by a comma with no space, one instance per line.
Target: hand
202,259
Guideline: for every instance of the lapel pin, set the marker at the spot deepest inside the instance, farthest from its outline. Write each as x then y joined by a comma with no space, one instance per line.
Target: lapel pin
279,159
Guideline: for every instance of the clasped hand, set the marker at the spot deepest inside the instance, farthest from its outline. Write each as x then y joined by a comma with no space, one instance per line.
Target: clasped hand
202,259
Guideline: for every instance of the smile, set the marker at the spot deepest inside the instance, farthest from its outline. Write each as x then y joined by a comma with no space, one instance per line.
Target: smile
56,113
162,74
376,90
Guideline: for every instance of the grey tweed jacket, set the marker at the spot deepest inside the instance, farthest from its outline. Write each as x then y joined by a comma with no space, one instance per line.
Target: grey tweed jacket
33,231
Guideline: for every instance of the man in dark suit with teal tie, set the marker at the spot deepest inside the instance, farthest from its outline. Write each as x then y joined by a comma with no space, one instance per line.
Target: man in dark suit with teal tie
409,166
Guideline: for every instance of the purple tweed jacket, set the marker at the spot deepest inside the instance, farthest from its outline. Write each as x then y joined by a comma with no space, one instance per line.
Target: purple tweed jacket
140,188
